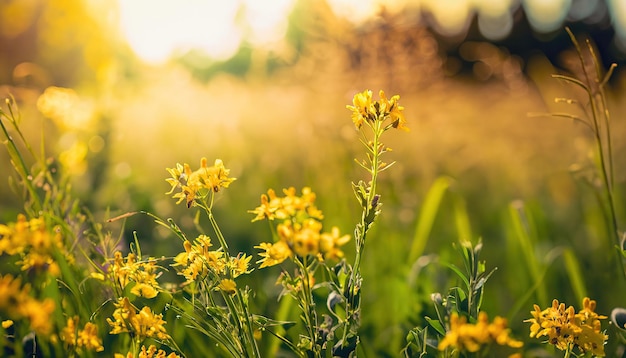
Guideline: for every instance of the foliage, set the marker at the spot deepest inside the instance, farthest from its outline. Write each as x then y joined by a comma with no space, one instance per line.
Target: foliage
69,288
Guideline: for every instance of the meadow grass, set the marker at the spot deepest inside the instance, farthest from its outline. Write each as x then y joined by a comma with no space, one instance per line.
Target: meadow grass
330,275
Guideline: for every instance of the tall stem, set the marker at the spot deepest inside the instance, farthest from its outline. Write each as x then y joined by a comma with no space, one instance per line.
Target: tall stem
20,165
308,308
602,141
353,304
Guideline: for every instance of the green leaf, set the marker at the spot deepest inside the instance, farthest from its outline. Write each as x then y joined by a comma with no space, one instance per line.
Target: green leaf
436,324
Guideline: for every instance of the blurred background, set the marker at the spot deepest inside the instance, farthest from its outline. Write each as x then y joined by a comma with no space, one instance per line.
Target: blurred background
124,89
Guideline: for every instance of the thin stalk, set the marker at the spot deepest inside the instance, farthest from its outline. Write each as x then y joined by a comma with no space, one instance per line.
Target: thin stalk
310,316
353,302
248,322
606,158
235,317
20,164
249,346
220,237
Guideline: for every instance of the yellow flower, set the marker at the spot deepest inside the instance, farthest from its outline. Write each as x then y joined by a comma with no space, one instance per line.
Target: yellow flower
86,338
143,324
567,329
393,111
16,304
289,206
192,183
362,108
38,313
274,253
143,273
150,352
468,337
305,237
35,243
269,205
330,243
7,323
239,265
227,285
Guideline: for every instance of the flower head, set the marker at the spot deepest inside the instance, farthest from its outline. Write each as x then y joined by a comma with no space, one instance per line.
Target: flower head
468,337
85,338
299,230
198,183
143,273
150,352
143,324
16,303
274,253
566,329
364,110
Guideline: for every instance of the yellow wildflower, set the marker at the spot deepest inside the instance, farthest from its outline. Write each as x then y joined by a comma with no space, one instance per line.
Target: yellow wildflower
393,111
365,110
362,109
150,352
289,206
566,329
7,323
85,338
228,286
34,242
143,273
198,259
239,265
305,238
274,253
330,243
16,303
143,324
38,313
468,337
192,183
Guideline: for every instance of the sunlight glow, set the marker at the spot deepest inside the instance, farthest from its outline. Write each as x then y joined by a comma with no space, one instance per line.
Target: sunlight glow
157,29
546,16
452,17
267,24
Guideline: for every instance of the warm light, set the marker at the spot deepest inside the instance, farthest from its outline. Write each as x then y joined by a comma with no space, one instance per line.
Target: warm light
267,20
546,16
359,11
157,29
452,17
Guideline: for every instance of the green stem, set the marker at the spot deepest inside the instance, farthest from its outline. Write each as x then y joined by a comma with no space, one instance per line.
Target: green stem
606,169
235,319
308,308
353,304
218,232
249,329
20,165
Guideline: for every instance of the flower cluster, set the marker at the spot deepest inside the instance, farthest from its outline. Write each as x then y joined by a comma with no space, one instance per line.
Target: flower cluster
469,337
16,303
150,352
364,110
32,240
198,183
566,329
198,260
85,338
299,231
141,324
142,273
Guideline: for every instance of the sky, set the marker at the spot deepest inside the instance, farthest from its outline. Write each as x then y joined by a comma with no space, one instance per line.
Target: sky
219,27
